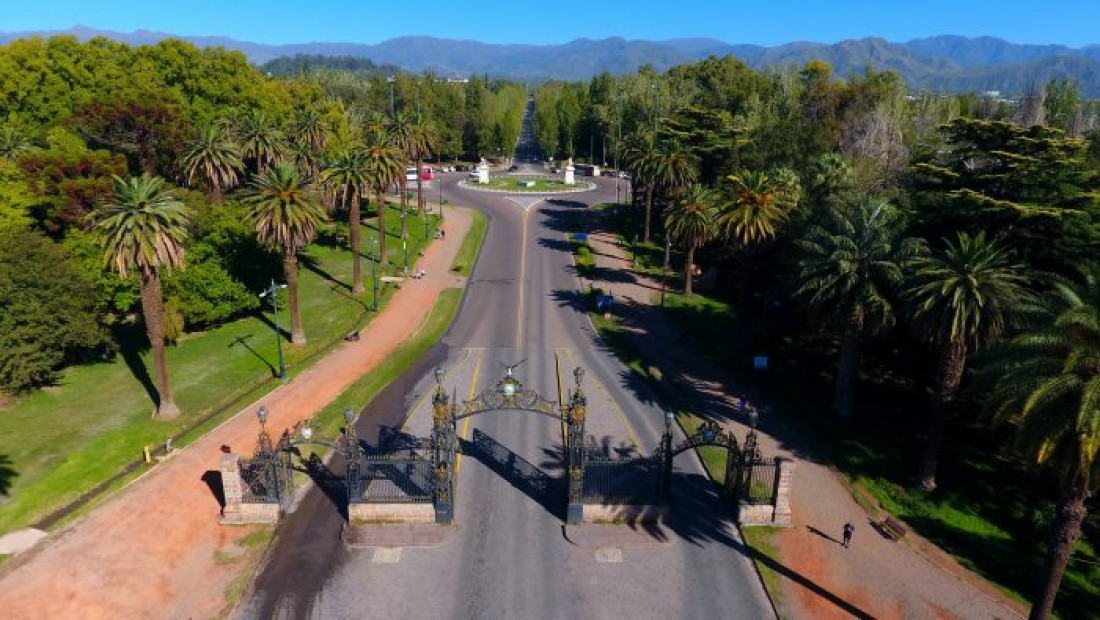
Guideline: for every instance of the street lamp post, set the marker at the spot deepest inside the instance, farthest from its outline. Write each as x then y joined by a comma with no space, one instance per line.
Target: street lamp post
272,292
391,80
374,277
405,248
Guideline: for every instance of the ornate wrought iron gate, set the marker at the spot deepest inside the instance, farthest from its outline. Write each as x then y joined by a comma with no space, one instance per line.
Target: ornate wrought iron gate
508,393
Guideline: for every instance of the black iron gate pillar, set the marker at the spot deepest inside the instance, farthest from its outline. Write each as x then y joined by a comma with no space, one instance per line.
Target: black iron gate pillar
664,490
443,457
732,482
750,454
575,415
352,457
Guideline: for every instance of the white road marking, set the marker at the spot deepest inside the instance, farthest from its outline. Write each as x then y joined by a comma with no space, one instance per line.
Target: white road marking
609,555
386,555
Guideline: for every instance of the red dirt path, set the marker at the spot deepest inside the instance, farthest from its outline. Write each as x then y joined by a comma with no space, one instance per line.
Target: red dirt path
150,550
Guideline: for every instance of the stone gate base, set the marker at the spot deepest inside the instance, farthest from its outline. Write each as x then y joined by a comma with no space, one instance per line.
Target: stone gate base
236,511
391,513
777,513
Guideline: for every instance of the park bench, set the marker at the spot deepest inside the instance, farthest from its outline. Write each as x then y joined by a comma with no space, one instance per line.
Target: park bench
891,528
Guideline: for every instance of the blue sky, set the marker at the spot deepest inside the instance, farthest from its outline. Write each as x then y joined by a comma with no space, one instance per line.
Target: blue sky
768,22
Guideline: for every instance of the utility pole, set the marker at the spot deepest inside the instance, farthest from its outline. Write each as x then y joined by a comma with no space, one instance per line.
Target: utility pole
272,292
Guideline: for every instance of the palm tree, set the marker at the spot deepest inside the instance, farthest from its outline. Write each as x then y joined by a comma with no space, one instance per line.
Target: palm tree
849,269
638,158
401,131
423,142
261,141
214,160
673,169
384,166
14,142
690,220
963,298
348,175
310,128
286,217
144,229
1047,384
309,139
758,206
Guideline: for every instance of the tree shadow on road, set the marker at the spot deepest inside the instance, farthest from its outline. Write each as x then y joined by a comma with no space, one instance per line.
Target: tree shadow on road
548,491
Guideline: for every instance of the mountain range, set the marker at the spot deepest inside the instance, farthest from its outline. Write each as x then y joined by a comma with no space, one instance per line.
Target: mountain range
942,63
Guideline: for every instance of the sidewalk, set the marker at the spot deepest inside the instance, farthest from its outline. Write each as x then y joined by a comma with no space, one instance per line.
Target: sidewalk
150,551
875,577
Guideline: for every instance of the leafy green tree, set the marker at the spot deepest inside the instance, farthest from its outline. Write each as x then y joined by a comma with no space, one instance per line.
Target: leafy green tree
49,311
963,297
849,269
348,173
286,216
212,160
68,183
690,220
205,293
144,229
1031,186
16,197
149,129
1046,384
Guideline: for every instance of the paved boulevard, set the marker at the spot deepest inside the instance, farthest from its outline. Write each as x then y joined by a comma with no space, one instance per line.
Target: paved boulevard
510,555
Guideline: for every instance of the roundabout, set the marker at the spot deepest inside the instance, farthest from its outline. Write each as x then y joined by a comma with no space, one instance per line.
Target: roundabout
527,184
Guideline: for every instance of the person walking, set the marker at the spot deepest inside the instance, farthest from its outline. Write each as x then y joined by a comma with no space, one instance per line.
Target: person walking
848,530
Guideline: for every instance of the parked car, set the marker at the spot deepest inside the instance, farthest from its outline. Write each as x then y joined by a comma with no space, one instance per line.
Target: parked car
472,174
513,168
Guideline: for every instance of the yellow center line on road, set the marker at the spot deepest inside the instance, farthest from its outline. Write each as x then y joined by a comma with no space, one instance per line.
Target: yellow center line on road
424,396
466,422
522,278
614,403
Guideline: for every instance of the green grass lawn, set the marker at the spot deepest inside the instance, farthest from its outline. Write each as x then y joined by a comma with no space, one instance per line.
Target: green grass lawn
471,245
65,441
518,184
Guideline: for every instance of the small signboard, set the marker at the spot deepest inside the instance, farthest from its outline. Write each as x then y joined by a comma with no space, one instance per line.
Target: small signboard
760,362
579,236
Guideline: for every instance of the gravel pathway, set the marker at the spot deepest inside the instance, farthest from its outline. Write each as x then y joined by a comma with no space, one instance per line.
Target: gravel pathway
820,578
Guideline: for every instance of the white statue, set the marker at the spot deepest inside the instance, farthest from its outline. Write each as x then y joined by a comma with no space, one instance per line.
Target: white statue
483,172
569,169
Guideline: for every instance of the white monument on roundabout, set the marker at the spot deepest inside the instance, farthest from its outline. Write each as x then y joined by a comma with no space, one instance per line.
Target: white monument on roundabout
483,172
569,169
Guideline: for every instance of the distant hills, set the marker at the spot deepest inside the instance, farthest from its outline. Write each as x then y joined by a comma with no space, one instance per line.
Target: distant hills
942,63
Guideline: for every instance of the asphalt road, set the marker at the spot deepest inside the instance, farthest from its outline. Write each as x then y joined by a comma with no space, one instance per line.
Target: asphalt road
510,556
